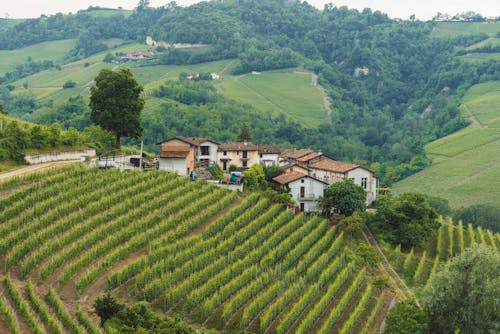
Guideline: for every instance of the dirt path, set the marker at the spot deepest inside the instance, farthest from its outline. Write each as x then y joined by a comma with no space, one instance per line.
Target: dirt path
473,119
387,267
32,168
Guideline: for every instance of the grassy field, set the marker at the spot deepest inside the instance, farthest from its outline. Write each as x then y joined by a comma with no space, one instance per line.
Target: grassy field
466,164
288,92
54,50
453,29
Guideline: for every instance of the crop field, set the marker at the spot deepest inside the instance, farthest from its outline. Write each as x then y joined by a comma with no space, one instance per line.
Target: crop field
453,29
54,50
289,92
452,239
464,164
198,252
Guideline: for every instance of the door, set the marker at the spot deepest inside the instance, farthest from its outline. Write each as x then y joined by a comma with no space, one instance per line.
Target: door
224,165
301,207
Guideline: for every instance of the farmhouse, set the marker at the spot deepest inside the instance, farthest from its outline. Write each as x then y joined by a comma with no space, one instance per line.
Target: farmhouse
269,155
183,154
243,155
305,190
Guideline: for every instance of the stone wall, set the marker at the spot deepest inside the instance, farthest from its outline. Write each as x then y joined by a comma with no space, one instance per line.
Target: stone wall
58,156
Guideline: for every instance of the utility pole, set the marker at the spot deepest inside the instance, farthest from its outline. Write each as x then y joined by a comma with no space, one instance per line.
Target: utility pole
140,161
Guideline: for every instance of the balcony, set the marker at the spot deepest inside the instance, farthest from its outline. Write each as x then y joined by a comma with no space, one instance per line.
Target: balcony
306,197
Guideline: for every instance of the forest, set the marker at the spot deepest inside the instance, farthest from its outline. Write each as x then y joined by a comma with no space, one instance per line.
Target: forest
393,87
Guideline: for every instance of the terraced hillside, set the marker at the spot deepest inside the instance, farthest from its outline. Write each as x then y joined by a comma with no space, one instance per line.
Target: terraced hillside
210,256
464,164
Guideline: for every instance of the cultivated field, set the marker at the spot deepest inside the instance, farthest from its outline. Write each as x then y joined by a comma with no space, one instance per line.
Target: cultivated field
293,93
453,29
204,254
54,50
465,163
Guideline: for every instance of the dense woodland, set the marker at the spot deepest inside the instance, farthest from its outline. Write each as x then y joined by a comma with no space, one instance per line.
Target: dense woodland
383,116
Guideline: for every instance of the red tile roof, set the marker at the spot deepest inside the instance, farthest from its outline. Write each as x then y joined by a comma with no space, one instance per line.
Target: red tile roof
309,157
269,149
196,141
294,153
289,177
237,146
334,166
174,152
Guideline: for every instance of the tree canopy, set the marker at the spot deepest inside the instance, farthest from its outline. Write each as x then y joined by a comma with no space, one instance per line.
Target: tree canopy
116,103
407,220
465,293
345,196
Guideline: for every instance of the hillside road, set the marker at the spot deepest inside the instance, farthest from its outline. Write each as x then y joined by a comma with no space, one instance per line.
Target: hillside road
32,168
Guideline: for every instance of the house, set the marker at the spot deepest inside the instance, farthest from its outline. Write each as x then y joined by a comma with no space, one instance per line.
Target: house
331,171
269,155
241,154
184,154
305,190
290,155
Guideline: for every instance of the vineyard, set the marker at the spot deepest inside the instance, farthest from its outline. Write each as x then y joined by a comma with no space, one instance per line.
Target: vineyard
214,258
452,239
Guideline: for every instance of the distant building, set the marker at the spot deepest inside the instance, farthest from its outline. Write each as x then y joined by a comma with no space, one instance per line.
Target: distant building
305,190
241,154
183,154
269,155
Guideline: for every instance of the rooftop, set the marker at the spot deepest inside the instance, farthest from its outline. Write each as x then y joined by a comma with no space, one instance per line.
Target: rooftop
237,146
334,166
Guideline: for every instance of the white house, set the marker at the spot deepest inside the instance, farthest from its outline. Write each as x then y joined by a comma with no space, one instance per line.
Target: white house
269,155
331,171
305,190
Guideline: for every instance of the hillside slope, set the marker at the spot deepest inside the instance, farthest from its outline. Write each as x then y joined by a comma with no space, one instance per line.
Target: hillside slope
204,254
465,164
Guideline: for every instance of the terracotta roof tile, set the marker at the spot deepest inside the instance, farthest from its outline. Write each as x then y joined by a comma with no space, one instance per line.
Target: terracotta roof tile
237,146
294,153
288,177
196,141
334,166
269,149
309,157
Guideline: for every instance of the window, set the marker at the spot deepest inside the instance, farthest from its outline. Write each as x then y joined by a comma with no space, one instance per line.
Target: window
302,181
244,163
205,150
261,156
238,153
245,154
224,152
364,182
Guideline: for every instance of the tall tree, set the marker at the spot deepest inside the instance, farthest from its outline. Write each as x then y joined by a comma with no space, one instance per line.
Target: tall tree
116,103
465,294
345,196
244,134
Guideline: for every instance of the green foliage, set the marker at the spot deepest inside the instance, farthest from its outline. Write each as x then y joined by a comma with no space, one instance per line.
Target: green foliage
406,219
116,103
464,294
69,84
187,91
345,196
441,205
407,318
255,178
138,318
106,307
367,254
484,215
244,134
103,141
217,173
353,224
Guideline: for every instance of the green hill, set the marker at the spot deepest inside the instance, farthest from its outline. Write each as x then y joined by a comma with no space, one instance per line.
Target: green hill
454,29
205,255
465,164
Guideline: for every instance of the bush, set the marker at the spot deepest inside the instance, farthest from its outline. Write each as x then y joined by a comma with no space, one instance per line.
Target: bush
69,84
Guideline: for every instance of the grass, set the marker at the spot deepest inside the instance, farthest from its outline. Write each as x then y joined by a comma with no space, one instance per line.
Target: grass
453,29
54,50
289,92
493,41
466,164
